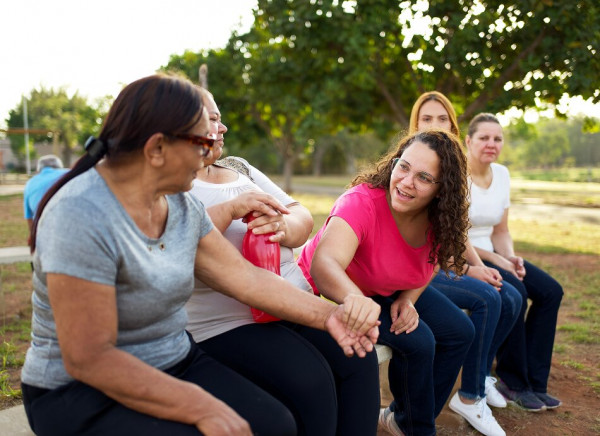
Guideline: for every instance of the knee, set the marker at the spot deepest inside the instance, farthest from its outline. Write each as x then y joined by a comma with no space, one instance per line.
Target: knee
490,300
281,423
463,331
555,294
418,345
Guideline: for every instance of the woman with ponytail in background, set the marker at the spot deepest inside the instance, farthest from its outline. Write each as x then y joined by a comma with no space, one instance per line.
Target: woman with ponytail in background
116,245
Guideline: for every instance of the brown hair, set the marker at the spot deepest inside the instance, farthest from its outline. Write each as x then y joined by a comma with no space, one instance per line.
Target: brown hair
448,211
440,98
159,103
483,117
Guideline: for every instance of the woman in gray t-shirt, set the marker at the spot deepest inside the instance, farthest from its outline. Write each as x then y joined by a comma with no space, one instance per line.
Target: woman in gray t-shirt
116,242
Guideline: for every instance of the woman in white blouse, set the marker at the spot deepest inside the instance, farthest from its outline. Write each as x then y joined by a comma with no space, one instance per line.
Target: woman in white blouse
523,361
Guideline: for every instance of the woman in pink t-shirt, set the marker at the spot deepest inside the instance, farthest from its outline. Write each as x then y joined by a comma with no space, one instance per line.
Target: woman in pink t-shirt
386,236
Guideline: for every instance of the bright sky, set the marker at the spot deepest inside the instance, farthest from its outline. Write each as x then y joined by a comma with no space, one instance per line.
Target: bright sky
95,47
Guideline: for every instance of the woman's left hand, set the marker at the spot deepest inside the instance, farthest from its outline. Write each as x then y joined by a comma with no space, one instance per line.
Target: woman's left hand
405,317
360,310
263,224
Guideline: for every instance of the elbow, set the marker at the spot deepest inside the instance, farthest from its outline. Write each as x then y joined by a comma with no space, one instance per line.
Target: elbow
81,363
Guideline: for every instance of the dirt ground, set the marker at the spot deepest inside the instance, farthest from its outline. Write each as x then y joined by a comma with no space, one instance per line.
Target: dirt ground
579,415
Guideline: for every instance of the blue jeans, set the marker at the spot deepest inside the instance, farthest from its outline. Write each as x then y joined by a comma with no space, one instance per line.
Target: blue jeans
425,362
525,357
493,315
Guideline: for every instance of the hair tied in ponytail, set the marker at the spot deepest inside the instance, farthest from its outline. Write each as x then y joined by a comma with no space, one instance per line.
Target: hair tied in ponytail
95,148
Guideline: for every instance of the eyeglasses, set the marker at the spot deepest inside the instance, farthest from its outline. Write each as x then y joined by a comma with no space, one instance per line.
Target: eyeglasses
421,180
206,142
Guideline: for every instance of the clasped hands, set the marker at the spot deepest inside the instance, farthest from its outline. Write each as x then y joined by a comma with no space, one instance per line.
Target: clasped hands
354,324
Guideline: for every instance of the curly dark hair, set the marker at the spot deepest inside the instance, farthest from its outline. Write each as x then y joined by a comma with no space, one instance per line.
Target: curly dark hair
449,211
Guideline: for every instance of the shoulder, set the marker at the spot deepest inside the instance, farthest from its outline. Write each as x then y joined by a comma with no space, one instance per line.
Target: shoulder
360,196
236,163
364,192
500,170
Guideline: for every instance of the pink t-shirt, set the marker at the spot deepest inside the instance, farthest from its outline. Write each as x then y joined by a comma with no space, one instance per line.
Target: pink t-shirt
383,263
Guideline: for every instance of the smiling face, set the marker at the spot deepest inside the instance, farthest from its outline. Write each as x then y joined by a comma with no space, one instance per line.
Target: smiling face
485,143
432,115
216,127
417,161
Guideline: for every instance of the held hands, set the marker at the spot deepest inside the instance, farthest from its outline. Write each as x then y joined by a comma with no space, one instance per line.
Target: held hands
362,336
222,420
486,274
507,265
405,318
519,266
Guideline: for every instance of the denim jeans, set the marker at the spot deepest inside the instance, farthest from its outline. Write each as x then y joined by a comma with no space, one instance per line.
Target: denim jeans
524,358
425,362
493,314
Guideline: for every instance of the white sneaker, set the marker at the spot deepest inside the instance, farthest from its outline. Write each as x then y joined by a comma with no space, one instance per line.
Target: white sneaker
479,415
492,396
388,423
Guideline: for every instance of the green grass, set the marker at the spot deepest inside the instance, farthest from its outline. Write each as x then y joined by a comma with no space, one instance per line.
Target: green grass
580,175
547,236
13,228
6,390
572,364
545,241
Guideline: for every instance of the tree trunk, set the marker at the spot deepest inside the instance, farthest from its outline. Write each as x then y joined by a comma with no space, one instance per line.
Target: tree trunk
288,169
318,156
350,162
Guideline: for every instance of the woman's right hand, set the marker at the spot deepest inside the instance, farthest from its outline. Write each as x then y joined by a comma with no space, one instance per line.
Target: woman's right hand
222,420
486,274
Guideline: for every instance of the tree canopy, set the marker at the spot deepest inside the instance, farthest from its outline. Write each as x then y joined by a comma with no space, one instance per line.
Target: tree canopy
69,120
310,69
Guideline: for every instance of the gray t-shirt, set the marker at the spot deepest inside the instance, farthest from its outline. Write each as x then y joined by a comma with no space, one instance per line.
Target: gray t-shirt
86,233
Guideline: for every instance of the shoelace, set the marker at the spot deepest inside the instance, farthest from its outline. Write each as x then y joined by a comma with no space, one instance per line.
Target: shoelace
490,381
485,411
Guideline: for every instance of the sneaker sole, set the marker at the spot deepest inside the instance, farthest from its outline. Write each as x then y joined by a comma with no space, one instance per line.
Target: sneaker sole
502,406
526,408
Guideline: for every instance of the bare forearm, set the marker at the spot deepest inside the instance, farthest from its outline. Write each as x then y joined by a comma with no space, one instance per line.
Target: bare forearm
472,256
299,223
141,387
503,244
221,215
264,290
331,280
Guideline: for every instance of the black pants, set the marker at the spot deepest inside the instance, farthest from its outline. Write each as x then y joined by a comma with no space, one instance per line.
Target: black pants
328,393
78,409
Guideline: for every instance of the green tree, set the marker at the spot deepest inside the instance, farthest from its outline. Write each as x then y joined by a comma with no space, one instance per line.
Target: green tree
69,120
485,55
308,69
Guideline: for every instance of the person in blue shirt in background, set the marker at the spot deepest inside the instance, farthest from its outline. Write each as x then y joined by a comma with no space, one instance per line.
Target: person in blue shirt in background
50,169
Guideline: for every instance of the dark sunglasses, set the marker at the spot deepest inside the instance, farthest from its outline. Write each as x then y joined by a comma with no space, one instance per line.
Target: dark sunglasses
206,142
